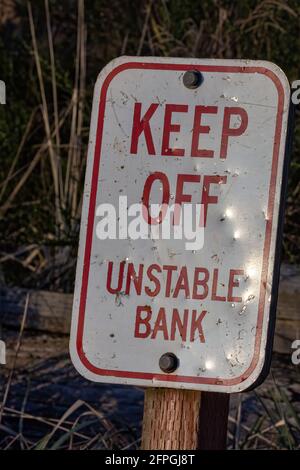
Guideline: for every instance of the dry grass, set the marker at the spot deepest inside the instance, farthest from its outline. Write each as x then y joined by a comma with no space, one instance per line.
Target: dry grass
275,425
45,174
81,427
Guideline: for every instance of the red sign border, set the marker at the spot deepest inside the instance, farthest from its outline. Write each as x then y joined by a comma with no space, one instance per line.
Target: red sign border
91,212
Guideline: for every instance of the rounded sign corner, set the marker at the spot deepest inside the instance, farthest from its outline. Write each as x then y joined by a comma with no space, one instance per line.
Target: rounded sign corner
277,72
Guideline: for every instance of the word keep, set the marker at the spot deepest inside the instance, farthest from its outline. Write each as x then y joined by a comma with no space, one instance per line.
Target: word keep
142,126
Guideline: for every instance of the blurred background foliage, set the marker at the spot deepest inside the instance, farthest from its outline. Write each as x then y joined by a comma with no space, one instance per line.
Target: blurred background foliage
51,53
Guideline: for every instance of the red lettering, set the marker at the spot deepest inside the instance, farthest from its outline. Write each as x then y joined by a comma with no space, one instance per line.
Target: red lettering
182,283
178,324
139,321
169,127
196,325
142,125
160,325
152,278
199,129
214,295
206,197
110,289
137,280
180,196
169,269
234,283
228,131
146,197
200,282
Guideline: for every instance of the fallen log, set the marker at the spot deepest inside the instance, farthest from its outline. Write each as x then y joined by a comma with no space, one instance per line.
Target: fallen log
47,311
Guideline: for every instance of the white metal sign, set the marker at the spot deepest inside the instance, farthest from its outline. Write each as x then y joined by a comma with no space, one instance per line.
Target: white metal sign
176,311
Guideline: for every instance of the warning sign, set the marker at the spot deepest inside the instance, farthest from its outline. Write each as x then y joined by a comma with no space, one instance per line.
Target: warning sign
180,222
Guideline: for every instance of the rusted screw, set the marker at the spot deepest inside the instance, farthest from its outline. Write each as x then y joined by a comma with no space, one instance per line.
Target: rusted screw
168,362
192,79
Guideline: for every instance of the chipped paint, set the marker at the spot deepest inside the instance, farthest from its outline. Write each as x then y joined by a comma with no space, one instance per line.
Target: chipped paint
227,355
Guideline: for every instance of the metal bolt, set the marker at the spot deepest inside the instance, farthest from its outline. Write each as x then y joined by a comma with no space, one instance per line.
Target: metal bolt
168,362
192,79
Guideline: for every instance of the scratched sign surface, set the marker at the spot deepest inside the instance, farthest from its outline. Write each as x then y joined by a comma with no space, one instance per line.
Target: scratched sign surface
220,144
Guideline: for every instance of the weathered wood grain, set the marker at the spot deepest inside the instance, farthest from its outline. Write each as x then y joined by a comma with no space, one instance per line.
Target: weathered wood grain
171,419
47,311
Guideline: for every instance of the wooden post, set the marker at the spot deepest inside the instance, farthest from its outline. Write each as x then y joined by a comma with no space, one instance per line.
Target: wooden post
177,419
213,421
171,418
